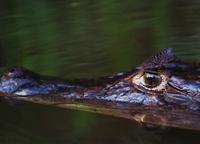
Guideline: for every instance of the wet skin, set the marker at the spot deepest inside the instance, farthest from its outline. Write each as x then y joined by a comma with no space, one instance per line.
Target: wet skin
162,91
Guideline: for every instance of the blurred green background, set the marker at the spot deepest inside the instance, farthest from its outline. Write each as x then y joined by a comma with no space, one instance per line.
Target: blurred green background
90,38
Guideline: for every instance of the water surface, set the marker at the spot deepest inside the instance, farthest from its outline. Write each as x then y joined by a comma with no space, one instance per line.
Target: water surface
88,39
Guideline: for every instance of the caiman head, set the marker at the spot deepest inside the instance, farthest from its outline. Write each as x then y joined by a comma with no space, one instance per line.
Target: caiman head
163,90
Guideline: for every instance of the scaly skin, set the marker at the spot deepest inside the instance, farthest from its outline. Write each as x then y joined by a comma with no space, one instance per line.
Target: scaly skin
172,101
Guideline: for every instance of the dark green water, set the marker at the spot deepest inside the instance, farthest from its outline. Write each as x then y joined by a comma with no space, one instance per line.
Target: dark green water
90,38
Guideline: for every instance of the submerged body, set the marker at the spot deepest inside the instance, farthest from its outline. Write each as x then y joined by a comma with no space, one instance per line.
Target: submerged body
162,91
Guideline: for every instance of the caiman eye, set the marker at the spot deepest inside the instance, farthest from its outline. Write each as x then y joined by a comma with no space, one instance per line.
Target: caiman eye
152,81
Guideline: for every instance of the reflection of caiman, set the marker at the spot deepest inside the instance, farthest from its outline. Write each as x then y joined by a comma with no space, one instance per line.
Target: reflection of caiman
162,91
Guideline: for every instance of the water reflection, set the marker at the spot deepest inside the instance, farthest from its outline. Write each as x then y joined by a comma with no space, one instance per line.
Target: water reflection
72,39
55,125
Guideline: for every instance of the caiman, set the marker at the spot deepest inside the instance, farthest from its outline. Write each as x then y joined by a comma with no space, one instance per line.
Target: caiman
161,91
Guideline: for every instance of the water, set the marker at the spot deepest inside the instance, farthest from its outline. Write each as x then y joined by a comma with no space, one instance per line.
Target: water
78,39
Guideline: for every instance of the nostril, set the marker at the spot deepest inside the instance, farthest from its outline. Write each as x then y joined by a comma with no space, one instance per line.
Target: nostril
14,72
